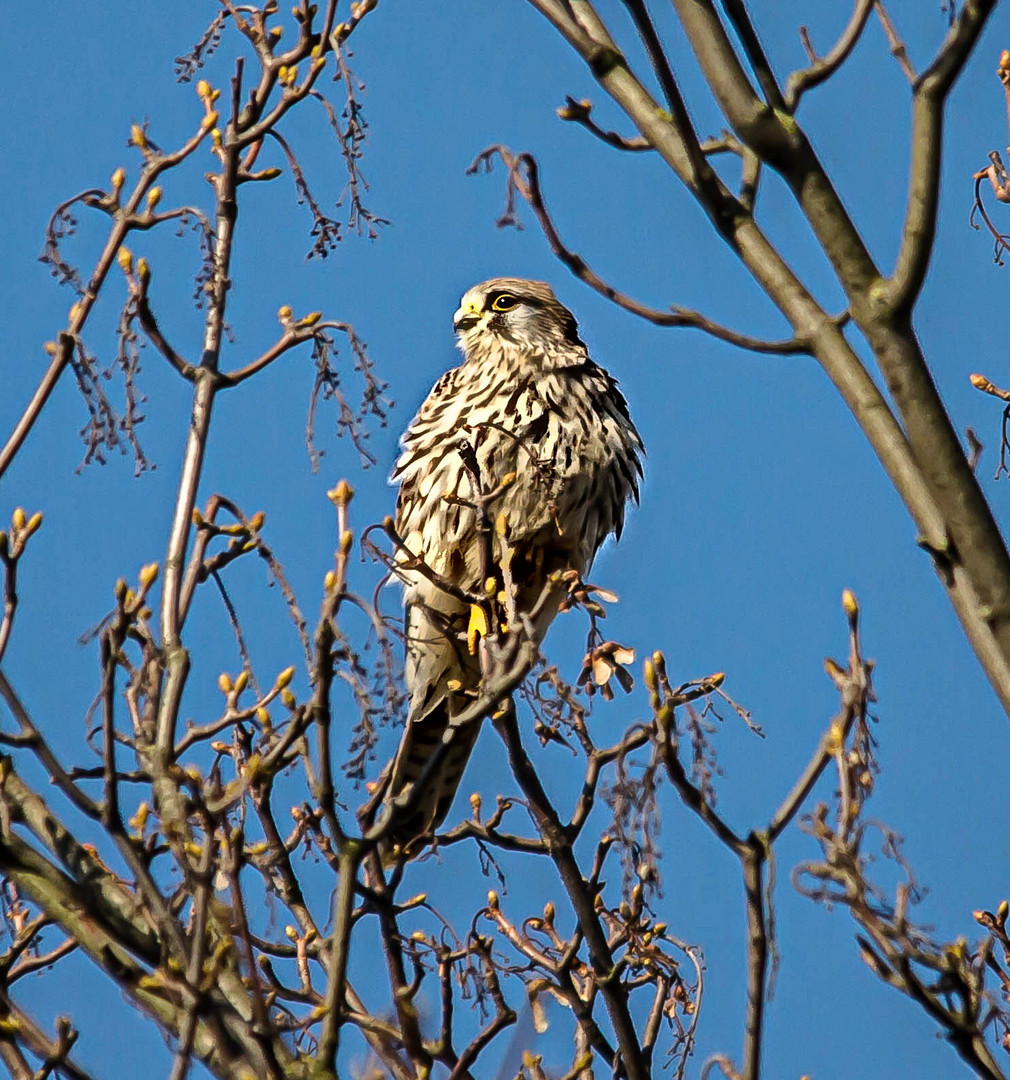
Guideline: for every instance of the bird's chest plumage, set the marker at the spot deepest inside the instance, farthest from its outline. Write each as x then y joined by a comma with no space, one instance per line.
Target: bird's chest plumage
549,430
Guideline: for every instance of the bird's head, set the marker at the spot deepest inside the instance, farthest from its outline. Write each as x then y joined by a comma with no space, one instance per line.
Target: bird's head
522,313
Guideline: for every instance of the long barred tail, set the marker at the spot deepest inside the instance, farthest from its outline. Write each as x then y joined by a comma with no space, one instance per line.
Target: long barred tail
441,676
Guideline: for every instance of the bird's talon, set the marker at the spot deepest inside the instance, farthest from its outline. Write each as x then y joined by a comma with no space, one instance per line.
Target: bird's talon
476,628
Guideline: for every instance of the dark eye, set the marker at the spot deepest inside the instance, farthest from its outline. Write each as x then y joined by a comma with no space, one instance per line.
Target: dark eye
504,302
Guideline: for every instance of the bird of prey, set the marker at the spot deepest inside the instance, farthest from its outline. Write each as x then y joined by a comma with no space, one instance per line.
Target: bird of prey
528,401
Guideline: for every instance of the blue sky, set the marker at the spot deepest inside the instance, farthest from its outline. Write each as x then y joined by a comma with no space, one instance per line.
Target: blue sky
760,504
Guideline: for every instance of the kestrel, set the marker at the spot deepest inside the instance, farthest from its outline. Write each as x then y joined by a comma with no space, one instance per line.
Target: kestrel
527,400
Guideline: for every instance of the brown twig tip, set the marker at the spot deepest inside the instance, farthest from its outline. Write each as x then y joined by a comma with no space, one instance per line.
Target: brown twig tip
1003,71
980,382
575,110
342,494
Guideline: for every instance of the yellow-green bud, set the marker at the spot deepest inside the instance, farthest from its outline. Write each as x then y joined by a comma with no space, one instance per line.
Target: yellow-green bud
342,494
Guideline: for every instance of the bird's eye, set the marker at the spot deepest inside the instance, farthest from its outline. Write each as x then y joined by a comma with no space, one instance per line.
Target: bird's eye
504,302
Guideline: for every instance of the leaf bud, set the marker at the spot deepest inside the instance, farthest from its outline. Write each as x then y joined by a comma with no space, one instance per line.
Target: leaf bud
342,494
139,819
649,674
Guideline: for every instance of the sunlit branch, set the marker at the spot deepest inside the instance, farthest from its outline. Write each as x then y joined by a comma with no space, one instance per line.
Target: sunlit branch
633,1063
928,102
154,166
799,82
524,179
894,42
579,112
740,20
149,324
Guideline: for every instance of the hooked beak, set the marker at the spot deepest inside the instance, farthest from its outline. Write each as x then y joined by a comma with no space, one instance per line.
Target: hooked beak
466,318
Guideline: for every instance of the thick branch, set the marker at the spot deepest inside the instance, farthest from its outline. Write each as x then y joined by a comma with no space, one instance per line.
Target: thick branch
930,96
633,1062
927,466
525,176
